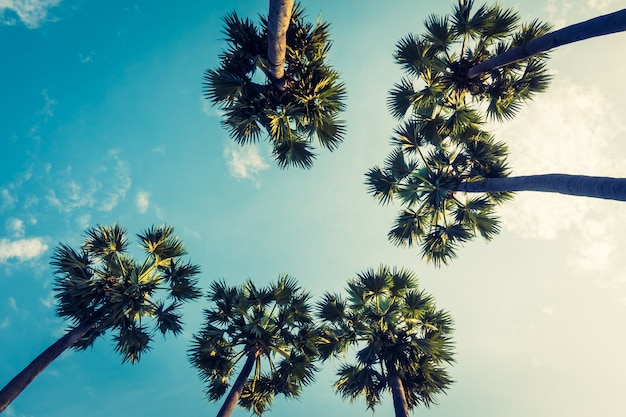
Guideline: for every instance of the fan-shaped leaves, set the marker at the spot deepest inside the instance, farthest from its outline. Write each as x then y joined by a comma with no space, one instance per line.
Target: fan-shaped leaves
394,329
272,323
300,109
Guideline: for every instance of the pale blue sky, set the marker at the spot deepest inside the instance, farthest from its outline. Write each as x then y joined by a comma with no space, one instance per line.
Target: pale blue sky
103,120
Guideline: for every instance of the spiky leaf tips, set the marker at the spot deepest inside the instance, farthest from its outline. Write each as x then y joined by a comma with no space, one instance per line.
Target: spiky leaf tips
437,62
271,328
434,154
101,283
402,341
301,108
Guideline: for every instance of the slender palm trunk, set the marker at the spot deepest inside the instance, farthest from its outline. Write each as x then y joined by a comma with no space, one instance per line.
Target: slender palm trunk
598,26
28,374
578,185
235,392
400,405
277,24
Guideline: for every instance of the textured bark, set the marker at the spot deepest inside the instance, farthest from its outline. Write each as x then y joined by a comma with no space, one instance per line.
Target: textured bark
277,24
400,405
598,26
28,374
235,392
578,185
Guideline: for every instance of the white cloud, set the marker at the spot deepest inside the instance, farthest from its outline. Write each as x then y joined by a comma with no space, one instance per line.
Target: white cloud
83,221
142,201
5,323
16,227
601,5
244,162
210,110
21,249
568,130
13,304
31,12
8,200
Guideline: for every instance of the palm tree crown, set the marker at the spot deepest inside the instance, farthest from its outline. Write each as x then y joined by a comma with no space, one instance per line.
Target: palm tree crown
437,62
271,328
295,111
101,282
433,157
101,287
403,341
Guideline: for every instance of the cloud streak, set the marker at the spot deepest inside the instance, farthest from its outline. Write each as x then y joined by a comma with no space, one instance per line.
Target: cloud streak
30,12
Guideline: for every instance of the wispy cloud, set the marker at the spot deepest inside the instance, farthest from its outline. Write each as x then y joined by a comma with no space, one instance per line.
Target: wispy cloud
30,12
244,162
21,249
116,190
142,201
16,227
49,301
602,5
8,200
103,190
210,110
570,129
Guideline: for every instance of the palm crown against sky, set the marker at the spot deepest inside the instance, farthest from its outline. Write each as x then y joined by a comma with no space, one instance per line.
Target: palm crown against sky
106,124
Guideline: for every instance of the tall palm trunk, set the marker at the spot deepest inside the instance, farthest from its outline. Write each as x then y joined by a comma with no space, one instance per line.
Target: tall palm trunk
41,362
578,185
598,26
235,392
400,405
277,24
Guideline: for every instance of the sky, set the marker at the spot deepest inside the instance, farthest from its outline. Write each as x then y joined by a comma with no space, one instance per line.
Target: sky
102,121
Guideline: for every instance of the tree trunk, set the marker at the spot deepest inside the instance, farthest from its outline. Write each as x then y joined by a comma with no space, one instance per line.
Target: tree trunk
277,24
28,374
235,392
578,185
598,26
400,405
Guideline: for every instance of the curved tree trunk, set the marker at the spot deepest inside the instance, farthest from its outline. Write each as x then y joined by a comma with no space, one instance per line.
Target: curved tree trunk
400,405
277,24
28,374
235,392
598,26
578,185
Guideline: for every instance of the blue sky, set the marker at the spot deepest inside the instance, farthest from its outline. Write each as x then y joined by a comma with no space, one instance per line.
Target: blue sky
103,120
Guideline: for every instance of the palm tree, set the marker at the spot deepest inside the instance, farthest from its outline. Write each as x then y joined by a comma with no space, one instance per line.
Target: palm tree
450,186
100,287
271,329
275,79
403,341
598,26
437,62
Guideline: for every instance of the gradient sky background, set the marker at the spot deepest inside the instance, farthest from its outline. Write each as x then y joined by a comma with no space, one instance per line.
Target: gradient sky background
102,120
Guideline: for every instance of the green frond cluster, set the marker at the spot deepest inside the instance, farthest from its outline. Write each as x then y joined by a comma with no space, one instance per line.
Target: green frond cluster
437,62
395,329
275,323
434,153
101,283
295,112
